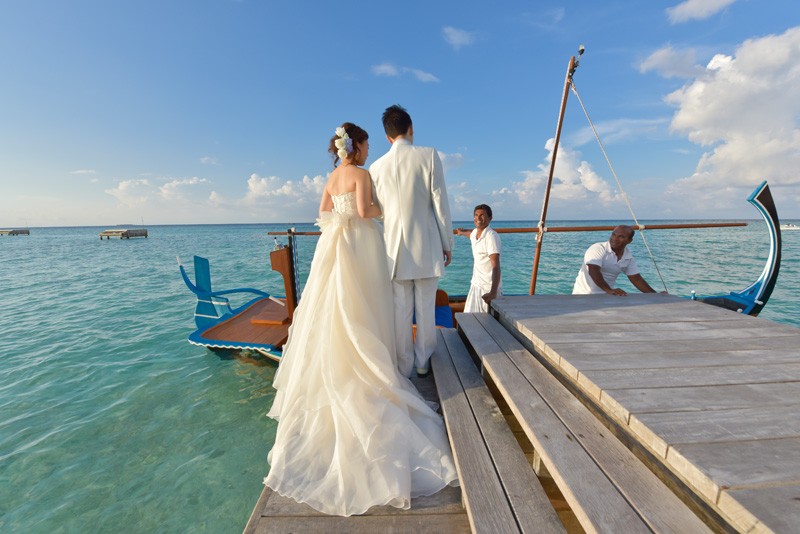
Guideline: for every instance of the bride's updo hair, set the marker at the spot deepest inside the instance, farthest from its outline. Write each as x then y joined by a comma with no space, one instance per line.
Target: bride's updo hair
356,134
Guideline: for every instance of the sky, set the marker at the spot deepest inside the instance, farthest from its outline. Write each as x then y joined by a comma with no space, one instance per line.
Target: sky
220,111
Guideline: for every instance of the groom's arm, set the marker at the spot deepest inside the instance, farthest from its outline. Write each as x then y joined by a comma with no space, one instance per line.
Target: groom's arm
441,207
375,199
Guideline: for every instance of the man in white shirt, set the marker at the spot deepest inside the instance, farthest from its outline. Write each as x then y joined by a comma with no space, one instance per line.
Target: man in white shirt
486,284
603,262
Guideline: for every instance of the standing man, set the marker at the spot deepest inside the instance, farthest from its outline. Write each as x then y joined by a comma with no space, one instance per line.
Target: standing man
603,262
485,285
409,186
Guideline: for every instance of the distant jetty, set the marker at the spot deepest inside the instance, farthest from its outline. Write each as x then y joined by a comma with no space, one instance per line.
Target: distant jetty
124,233
19,231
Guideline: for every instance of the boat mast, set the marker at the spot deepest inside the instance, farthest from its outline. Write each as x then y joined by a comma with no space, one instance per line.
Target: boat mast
573,64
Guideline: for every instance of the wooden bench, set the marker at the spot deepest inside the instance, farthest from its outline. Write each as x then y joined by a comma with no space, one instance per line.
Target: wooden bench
500,490
607,487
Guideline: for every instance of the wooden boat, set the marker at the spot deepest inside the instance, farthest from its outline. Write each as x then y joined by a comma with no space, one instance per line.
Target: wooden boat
752,299
262,323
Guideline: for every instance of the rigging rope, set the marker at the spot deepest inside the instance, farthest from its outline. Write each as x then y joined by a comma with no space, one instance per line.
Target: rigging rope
619,185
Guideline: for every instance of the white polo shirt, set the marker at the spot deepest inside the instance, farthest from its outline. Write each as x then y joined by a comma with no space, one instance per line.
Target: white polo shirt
601,254
482,248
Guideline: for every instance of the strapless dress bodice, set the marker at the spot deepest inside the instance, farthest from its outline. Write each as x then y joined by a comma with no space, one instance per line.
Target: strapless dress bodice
345,203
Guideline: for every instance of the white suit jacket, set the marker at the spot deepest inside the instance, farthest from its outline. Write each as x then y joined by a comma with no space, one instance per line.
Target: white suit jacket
409,186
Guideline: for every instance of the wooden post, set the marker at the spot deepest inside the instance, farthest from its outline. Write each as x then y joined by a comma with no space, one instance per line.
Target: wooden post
573,64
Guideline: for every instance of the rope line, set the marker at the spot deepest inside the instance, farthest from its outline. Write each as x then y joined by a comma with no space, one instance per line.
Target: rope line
619,185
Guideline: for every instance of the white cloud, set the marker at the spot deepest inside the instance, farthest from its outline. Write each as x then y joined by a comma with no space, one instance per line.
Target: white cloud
84,171
451,161
547,19
265,199
457,38
208,160
574,181
696,10
387,69
173,190
618,130
421,75
745,109
669,62
271,188
132,193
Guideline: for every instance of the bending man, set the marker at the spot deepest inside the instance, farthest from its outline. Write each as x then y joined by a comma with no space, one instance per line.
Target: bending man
603,262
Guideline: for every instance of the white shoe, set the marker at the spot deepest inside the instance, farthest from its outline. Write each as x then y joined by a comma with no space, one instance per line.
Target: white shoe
422,371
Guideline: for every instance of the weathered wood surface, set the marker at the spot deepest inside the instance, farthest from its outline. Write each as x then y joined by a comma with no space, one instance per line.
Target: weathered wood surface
437,513
606,486
714,394
501,491
442,512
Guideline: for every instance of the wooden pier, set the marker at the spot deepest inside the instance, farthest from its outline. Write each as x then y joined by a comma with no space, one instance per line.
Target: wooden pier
124,233
645,413
17,231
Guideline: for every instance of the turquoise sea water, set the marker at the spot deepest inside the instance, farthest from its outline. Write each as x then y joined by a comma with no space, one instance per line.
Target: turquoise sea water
111,422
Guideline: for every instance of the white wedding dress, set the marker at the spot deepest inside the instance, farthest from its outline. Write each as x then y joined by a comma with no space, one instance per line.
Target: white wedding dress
352,431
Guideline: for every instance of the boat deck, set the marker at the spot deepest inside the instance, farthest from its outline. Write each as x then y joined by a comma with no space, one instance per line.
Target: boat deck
264,322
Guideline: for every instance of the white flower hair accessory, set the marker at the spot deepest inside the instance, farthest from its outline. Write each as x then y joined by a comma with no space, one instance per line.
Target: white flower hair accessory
344,144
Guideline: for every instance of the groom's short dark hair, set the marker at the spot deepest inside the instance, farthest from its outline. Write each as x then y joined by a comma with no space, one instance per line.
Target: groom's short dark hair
396,121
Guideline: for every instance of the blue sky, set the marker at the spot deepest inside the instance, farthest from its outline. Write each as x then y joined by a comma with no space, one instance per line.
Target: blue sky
217,111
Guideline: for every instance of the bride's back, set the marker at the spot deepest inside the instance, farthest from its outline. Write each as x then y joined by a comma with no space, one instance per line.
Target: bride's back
343,179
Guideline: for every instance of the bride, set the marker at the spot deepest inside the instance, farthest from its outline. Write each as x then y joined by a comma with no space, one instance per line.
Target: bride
352,431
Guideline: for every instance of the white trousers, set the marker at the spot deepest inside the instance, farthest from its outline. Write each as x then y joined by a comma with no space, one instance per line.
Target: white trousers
415,297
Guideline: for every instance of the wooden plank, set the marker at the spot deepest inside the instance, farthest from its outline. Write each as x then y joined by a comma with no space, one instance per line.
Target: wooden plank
659,430
607,308
649,359
596,502
620,403
770,509
446,501
483,495
418,524
531,505
441,512
569,350
630,329
270,313
677,332
255,515
738,464
662,510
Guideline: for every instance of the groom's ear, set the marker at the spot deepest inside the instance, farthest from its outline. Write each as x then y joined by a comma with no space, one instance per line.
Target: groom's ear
391,141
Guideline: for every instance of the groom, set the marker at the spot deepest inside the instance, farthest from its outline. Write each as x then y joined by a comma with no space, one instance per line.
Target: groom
409,186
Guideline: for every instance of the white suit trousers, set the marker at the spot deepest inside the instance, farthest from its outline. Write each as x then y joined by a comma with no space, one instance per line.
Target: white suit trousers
415,297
